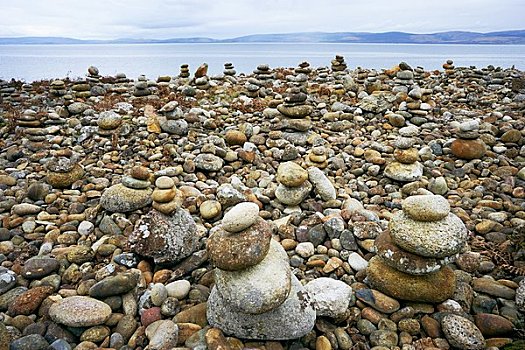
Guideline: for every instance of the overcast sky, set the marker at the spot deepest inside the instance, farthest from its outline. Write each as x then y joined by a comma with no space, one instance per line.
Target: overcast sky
111,19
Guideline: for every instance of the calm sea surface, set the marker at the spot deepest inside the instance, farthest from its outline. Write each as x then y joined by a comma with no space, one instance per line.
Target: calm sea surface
34,62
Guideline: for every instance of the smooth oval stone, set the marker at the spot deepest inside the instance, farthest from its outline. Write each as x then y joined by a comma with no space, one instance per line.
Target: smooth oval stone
121,199
292,319
404,172
291,174
178,289
431,288
210,209
79,311
29,342
330,297
208,162
164,182
293,195
239,250
295,112
407,262
377,300
437,239
136,184
39,267
492,325
240,217
109,120
462,333
322,184
426,207
468,149
494,288
249,290
162,334
113,285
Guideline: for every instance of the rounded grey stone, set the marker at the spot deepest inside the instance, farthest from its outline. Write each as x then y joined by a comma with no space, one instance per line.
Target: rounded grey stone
292,319
426,207
79,311
437,239
251,290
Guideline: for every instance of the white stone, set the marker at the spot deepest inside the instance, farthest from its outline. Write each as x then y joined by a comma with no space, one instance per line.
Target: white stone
322,184
331,297
357,262
85,228
305,249
178,289
240,217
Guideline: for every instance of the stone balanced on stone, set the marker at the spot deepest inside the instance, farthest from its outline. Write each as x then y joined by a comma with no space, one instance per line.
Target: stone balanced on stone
63,169
141,87
131,194
295,113
229,69
413,253
294,186
338,64
166,198
184,71
406,167
108,122
468,146
255,294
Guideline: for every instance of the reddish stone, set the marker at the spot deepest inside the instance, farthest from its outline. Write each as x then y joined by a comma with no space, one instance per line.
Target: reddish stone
468,149
150,315
29,302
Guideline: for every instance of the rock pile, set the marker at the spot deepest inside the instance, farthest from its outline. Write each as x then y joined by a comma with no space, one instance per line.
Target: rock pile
317,157
468,145
201,79
295,113
293,185
245,301
338,64
141,87
184,71
172,119
166,198
229,69
63,169
413,254
132,193
406,167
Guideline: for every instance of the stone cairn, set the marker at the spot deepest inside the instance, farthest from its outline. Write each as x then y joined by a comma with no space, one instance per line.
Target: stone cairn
81,89
293,186
93,76
468,146
295,113
404,78
229,70
255,294
31,123
304,68
201,79
184,71
413,253
131,194
255,85
57,88
406,167
63,169
141,87
166,198
338,64
108,122
317,157
172,120
449,67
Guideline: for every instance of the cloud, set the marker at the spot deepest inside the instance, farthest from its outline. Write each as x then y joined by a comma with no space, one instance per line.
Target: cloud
98,19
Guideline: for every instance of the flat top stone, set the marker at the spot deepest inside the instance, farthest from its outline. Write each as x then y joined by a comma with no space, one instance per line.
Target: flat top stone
80,311
240,250
240,217
436,239
426,207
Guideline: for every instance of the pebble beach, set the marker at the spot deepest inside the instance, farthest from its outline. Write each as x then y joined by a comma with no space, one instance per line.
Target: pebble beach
289,208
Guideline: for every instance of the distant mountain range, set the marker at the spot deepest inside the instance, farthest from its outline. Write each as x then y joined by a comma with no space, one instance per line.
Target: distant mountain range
512,37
